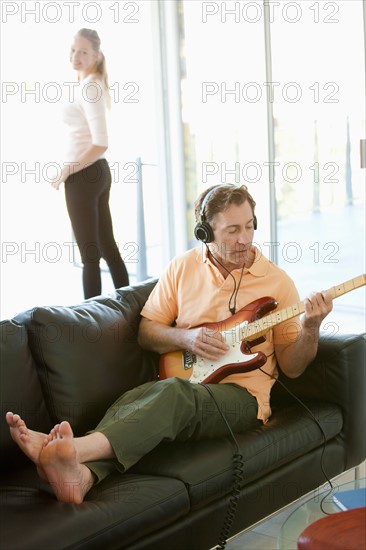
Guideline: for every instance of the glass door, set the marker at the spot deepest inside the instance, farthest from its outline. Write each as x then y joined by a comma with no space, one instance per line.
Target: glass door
224,100
39,254
318,67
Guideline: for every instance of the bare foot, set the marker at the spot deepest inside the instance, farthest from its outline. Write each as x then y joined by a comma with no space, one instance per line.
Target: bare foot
59,460
30,442
54,434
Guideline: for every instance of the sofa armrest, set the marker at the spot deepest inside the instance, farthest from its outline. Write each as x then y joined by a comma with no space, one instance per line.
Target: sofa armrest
337,375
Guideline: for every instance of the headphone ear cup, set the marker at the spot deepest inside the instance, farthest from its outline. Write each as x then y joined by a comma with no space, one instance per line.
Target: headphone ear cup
203,232
255,222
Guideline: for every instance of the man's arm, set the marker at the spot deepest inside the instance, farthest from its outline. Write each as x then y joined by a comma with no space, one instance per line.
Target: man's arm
164,338
295,357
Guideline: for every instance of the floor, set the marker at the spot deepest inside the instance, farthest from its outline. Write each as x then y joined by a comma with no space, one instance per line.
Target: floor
263,536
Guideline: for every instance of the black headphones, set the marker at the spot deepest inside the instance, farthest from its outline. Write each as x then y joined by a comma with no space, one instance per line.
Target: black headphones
203,231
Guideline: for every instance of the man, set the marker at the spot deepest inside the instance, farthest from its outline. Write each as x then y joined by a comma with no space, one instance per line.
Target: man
206,284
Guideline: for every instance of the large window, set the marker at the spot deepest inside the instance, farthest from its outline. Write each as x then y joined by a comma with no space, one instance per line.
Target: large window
223,101
319,113
40,262
203,92
274,96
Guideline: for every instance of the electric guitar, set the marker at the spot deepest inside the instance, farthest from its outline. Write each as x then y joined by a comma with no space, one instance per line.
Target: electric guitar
241,331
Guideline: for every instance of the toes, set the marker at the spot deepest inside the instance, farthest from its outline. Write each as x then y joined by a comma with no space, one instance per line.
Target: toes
65,429
9,417
47,439
15,421
18,420
12,419
57,430
54,434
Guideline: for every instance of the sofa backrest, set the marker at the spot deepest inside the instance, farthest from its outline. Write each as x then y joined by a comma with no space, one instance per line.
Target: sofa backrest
20,389
87,355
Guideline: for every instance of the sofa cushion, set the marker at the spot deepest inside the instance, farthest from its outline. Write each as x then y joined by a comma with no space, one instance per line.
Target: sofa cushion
20,389
115,513
289,434
132,299
86,355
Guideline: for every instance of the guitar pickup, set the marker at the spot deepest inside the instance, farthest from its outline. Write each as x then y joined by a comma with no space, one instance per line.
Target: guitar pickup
189,359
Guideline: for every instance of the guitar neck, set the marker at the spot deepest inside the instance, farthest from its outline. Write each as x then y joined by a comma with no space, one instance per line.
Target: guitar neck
258,328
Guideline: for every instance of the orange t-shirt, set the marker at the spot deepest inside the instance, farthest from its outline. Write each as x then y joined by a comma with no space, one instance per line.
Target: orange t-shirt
192,292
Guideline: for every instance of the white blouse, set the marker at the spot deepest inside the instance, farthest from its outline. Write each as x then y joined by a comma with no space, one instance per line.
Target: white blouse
85,117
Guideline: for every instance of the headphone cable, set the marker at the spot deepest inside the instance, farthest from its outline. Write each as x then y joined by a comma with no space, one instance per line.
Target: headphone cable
234,293
238,462
321,430
238,477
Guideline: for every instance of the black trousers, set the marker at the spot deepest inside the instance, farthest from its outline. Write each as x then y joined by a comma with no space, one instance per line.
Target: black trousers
87,200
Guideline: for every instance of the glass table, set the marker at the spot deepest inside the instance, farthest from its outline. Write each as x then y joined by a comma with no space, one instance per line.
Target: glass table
316,507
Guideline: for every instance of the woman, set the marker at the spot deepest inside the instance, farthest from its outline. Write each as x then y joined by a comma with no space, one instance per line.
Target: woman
86,173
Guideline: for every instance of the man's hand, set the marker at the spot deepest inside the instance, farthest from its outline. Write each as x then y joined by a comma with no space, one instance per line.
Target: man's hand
206,342
295,357
317,306
162,338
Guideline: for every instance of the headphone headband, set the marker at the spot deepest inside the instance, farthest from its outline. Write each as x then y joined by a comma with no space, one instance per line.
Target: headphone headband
205,201
203,230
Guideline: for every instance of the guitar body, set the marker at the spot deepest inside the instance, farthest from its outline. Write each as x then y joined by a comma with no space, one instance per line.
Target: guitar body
242,331
239,358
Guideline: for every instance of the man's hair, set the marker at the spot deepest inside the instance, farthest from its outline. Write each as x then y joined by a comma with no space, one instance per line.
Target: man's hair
220,199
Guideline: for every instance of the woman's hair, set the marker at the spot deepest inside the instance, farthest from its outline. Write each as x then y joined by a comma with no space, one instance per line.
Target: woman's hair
220,199
101,68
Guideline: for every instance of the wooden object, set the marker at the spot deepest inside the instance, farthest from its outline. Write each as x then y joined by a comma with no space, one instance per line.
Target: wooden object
339,531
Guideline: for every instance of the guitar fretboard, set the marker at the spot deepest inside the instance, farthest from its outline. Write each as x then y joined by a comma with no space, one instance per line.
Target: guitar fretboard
258,328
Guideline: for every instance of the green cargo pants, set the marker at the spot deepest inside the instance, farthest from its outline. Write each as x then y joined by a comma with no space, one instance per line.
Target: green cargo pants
168,410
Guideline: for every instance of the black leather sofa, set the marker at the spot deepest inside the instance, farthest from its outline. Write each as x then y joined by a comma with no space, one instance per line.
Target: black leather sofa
72,362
